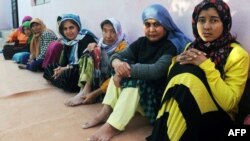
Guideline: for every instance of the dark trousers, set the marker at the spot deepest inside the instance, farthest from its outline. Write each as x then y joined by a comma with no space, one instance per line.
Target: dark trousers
10,50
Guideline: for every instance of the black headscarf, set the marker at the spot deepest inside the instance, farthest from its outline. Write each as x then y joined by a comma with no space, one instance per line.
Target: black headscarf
219,49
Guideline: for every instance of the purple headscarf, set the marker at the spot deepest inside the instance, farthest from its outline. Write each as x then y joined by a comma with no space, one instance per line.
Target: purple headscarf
25,19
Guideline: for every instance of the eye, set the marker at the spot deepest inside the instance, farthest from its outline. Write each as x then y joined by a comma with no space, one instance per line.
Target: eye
201,20
214,20
157,24
147,24
113,32
71,27
154,24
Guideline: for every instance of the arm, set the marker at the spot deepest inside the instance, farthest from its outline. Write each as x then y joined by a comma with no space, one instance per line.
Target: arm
229,91
152,71
13,36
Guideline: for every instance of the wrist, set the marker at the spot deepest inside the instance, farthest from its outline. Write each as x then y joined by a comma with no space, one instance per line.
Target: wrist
69,66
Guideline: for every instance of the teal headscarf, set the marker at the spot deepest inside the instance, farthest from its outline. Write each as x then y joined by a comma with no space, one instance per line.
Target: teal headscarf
175,35
73,59
82,32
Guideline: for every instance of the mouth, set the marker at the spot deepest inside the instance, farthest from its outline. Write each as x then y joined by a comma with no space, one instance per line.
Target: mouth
207,34
152,36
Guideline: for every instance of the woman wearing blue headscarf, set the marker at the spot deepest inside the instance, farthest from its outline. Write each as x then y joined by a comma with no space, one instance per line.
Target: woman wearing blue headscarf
140,73
65,75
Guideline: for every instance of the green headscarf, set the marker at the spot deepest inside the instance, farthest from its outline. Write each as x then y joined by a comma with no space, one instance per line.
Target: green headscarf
27,25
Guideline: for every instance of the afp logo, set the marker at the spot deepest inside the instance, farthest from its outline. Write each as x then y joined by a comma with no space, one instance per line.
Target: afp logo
237,132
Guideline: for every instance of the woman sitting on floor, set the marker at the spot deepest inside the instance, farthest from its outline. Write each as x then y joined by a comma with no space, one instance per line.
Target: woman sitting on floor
65,75
140,73
39,44
94,75
205,82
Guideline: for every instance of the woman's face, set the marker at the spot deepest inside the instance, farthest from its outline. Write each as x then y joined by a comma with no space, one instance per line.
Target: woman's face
153,30
36,28
209,25
70,30
109,34
27,31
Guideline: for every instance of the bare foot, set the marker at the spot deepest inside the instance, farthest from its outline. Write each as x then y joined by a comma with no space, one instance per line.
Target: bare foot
105,133
76,100
99,118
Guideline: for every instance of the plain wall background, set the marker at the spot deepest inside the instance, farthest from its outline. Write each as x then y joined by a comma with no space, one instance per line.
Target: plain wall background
5,14
128,12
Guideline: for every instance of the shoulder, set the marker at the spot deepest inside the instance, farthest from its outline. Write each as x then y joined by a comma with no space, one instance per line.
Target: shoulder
48,33
88,37
238,57
140,40
122,45
238,50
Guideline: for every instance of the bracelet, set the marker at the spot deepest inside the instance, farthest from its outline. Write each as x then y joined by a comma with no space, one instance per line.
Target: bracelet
69,66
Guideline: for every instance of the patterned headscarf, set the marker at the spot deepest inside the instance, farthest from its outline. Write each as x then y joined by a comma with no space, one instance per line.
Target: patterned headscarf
35,42
81,34
161,14
109,49
219,49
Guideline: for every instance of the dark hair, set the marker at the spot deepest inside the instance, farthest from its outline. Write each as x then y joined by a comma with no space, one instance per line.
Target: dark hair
210,5
106,22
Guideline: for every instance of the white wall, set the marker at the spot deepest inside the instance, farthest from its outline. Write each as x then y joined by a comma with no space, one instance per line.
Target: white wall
128,12
5,14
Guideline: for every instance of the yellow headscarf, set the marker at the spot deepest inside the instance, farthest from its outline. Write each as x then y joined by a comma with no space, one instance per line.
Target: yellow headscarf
35,42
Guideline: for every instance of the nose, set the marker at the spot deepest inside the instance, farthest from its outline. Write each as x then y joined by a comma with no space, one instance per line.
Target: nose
152,28
108,35
207,25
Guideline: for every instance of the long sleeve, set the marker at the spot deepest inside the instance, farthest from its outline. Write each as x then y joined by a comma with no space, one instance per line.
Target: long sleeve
17,36
46,38
148,62
119,48
229,91
153,71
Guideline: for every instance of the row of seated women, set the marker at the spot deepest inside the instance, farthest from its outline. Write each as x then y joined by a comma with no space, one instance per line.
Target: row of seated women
188,90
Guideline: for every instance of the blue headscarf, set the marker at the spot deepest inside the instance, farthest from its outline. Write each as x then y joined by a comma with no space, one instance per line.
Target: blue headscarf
76,19
81,34
175,35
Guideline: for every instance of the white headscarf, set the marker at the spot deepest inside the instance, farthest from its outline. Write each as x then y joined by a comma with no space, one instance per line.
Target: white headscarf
109,49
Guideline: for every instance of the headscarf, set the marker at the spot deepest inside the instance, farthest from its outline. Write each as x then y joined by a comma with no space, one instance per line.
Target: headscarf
109,49
26,18
175,35
35,42
27,25
81,34
219,49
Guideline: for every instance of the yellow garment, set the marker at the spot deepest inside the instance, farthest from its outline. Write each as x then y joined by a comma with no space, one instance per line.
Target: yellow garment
17,35
86,73
227,93
120,47
118,98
